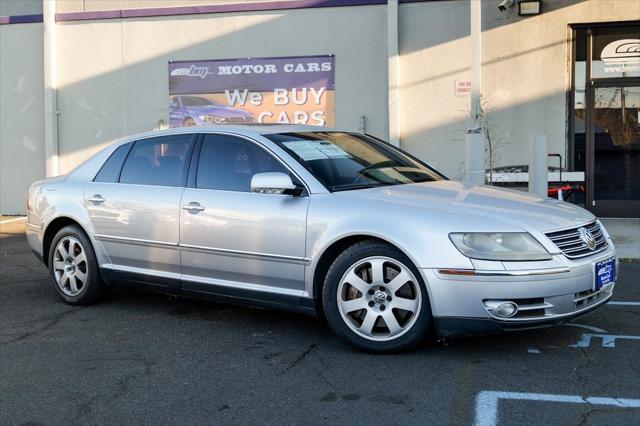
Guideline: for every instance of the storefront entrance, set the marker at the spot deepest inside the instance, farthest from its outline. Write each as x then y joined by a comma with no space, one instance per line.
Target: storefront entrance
605,141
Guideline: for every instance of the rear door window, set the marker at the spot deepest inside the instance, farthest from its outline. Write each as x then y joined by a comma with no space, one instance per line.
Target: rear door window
160,161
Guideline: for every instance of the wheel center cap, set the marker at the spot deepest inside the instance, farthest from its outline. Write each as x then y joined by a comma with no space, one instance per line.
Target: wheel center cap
379,297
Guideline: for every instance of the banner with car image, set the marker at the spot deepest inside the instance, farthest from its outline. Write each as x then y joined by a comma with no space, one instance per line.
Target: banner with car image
288,90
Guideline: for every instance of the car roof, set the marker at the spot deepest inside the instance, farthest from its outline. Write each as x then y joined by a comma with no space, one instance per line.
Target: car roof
247,130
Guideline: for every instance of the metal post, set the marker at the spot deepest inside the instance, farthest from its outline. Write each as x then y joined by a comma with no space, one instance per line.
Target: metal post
50,89
474,173
538,165
476,58
393,72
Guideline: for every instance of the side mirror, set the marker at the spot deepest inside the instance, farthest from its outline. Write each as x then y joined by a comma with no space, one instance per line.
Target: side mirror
274,183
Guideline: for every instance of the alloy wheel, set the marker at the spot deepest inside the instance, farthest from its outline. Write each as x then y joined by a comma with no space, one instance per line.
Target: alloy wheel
70,266
379,298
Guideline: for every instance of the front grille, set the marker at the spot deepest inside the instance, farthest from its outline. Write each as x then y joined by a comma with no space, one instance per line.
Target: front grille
571,244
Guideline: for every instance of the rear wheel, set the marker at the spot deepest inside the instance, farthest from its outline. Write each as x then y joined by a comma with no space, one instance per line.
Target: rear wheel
374,298
73,268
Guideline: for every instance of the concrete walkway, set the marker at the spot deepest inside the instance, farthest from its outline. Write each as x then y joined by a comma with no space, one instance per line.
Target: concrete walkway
625,234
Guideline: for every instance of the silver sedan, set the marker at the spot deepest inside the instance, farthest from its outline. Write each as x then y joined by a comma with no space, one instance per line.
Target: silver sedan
329,223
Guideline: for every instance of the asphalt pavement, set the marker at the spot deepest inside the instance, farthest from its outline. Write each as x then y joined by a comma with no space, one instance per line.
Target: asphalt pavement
144,358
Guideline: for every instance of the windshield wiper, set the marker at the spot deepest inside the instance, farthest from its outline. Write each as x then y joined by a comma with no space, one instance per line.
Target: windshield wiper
348,186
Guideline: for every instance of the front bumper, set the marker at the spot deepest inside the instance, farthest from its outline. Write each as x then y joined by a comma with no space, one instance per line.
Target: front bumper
562,291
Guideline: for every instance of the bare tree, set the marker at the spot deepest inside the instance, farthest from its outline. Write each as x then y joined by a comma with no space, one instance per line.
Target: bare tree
495,140
485,120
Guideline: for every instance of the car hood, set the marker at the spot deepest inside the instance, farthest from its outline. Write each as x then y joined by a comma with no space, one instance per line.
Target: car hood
459,200
219,111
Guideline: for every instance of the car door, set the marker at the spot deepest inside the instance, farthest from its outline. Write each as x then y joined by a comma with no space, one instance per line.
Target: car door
134,204
234,241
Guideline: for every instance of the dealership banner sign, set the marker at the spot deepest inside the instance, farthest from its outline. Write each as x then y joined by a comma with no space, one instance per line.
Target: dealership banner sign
291,90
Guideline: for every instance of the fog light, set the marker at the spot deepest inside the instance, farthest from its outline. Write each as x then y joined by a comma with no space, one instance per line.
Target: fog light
502,308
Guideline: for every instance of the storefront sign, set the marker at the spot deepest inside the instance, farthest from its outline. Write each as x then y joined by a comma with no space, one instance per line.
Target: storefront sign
462,88
292,90
621,56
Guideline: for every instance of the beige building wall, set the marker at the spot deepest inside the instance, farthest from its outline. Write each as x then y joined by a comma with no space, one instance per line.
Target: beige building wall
21,114
525,75
113,75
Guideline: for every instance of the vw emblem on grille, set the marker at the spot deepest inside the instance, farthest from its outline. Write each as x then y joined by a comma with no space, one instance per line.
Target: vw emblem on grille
587,237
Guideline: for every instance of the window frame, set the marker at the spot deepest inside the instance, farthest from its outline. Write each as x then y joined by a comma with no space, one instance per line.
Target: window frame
587,27
195,163
186,165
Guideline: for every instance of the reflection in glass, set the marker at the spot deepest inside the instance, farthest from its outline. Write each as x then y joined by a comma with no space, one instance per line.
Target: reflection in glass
617,143
616,52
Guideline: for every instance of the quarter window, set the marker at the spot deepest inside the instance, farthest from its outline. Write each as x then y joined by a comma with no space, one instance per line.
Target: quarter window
110,170
228,163
158,161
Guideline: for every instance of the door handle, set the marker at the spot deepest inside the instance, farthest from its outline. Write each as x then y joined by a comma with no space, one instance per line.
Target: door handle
96,199
193,207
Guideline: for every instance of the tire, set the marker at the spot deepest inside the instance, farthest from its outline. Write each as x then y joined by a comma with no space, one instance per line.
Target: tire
73,268
361,299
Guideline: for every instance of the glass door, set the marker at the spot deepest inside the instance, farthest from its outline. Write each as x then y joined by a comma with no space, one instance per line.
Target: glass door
613,135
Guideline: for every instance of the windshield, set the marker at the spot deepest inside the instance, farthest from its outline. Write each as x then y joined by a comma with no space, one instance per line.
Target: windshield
343,161
196,101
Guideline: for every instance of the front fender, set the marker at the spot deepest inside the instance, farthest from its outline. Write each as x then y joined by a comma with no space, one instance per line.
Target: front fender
422,236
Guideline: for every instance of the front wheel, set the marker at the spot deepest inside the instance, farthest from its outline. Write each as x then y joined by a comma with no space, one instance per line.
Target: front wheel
374,298
74,269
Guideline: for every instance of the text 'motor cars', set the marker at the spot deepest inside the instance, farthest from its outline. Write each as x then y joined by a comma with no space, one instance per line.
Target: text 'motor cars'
331,223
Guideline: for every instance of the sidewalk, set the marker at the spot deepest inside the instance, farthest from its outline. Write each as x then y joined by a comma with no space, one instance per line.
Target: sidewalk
625,234
12,224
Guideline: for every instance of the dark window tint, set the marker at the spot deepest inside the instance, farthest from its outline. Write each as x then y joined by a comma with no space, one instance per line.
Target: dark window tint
111,168
158,161
228,163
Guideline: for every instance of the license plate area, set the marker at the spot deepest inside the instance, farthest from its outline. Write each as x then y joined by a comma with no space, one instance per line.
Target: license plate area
605,272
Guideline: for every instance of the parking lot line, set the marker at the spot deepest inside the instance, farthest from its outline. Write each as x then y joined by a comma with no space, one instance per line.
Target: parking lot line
588,327
486,412
625,303
608,340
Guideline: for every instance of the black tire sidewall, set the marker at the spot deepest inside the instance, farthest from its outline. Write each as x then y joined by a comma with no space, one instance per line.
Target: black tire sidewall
94,290
420,329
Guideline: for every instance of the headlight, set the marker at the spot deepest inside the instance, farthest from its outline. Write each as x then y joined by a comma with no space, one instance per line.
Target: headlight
499,246
212,119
